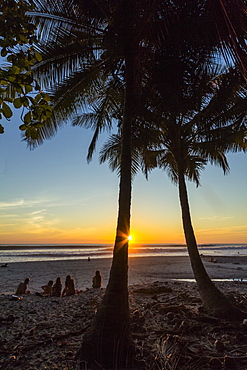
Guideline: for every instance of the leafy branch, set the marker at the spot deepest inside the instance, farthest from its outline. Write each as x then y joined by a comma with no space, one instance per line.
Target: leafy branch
17,84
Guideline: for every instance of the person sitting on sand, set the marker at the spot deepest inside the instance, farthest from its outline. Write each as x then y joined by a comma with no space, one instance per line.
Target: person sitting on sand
69,286
22,287
47,289
57,288
97,280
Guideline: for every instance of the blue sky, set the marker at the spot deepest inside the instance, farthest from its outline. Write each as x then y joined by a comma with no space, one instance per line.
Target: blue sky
51,195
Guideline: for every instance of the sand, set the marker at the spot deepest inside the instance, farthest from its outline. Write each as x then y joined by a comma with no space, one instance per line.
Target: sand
141,270
169,327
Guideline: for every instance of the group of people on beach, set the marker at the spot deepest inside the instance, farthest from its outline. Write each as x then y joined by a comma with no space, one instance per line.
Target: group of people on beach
55,290
50,290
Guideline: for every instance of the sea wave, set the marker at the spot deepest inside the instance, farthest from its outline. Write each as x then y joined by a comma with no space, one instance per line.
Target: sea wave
24,253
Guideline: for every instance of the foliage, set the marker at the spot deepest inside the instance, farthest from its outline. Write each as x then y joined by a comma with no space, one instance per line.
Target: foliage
207,121
82,48
16,78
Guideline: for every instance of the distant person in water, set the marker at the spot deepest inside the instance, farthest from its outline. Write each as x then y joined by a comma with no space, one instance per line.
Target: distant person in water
22,287
97,280
69,286
57,288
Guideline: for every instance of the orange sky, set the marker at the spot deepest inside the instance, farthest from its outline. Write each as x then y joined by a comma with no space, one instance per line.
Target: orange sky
51,195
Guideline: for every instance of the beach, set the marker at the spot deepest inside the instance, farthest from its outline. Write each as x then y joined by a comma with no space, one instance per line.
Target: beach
141,270
46,332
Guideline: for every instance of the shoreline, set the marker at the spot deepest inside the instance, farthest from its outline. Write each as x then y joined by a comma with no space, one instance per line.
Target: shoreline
141,270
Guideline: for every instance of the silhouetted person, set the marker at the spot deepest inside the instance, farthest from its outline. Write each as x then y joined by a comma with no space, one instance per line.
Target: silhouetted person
22,287
97,280
69,286
57,288
47,289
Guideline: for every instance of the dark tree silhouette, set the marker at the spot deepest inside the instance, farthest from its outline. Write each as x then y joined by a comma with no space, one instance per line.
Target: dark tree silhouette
182,142
87,45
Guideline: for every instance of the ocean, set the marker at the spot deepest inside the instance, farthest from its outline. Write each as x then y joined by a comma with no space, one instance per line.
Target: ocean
50,252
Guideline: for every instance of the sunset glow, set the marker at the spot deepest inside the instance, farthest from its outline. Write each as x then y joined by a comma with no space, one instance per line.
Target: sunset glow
51,195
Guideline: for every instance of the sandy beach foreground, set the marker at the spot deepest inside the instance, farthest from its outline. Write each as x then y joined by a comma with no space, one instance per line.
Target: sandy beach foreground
141,270
170,330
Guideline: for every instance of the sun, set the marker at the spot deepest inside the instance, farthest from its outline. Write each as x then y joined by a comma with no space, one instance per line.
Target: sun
129,237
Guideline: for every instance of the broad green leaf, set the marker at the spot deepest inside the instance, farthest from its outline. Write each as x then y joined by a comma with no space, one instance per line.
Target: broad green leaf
4,82
10,100
17,103
23,39
11,78
28,132
37,97
23,127
48,113
34,134
7,112
46,97
28,88
25,101
38,125
10,58
4,52
28,117
38,56
15,70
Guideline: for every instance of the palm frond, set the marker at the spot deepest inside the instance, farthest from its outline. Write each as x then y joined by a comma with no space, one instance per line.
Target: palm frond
194,166
111,151
53,16
230,18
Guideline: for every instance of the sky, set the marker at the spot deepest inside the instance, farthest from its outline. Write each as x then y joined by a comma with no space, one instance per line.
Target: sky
52,195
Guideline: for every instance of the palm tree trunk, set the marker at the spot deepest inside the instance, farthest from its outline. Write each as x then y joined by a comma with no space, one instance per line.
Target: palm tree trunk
108,341
213,300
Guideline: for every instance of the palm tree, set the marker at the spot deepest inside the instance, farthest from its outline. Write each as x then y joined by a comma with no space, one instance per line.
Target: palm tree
185,158
103,69
182,143
86,45
204,117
